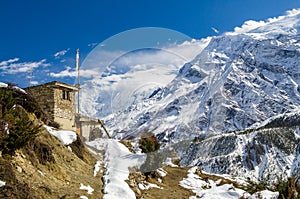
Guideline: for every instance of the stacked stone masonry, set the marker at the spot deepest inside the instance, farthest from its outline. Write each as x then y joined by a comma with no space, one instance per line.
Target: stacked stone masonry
58,100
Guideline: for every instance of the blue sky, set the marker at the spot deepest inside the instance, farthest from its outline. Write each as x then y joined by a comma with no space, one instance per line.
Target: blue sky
33,31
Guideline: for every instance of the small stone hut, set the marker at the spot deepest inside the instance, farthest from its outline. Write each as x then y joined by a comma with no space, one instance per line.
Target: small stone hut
57,99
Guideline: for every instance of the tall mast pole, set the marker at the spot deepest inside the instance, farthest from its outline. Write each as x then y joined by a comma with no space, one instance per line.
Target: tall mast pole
30,76
78,77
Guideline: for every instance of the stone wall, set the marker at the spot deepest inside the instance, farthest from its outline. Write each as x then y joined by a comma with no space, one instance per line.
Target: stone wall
64,109
60,108
88,128
44,95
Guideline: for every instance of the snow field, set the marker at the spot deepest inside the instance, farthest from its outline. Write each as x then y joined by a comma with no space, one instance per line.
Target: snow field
209,189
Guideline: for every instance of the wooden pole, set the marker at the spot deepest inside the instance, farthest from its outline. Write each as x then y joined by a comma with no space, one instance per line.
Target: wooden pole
78,77
101,122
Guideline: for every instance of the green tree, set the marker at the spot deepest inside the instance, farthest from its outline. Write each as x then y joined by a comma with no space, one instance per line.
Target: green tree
148,142
21,128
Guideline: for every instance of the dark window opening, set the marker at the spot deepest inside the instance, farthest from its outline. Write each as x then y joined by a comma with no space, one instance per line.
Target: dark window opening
65,95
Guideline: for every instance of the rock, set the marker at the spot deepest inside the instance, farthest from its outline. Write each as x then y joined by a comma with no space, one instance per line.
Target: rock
19,169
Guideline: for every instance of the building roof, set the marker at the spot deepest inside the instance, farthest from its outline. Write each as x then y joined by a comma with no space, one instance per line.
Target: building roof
57,84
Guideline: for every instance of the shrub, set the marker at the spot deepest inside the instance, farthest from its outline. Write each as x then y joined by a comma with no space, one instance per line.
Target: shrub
11,97
287,189
148,142
21,128
21,131
254,187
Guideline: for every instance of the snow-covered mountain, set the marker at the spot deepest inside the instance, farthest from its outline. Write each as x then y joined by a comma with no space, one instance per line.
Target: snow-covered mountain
131,77
238,81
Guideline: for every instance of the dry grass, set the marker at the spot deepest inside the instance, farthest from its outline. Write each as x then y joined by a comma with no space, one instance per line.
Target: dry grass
60,179
170,185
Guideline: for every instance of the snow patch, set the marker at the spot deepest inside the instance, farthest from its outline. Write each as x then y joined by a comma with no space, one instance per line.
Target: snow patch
66,137
169,162
69,148
41,173
97,168
209,189
2,183
3,85
19,89
266,194
147,185
162,172
88,188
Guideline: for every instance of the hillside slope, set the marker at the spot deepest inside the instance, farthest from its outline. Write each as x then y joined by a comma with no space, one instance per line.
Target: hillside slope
41,166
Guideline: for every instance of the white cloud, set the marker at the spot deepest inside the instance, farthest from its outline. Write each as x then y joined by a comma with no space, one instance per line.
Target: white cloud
171,55
188,50
12,66
249,25
70,72
61,53
7,62
92,45
215,30
100,59
162,56
34,82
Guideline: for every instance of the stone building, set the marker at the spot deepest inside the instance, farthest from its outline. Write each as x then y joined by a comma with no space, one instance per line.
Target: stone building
57,99
88,128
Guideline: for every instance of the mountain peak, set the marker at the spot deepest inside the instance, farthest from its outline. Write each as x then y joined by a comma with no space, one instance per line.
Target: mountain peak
286,24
